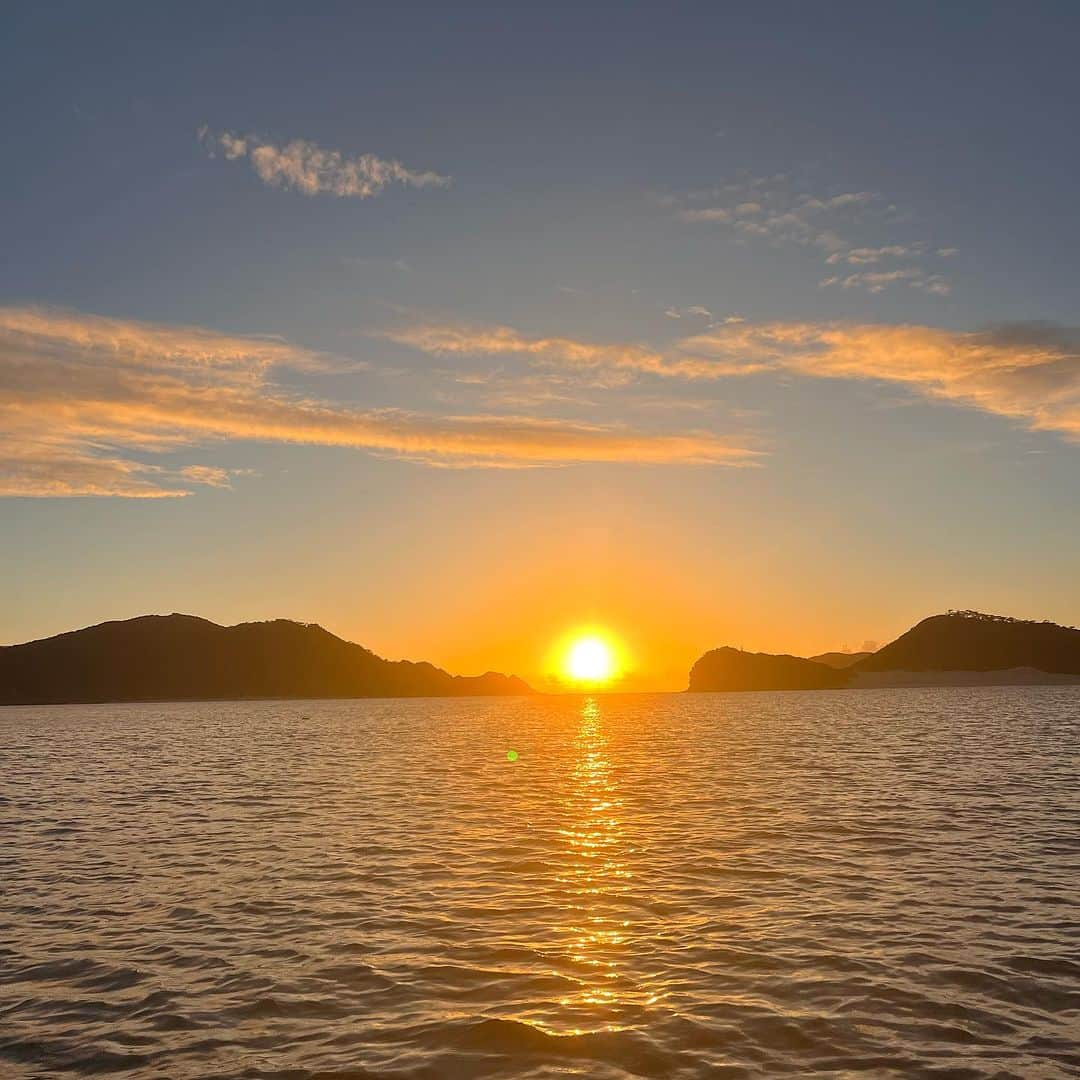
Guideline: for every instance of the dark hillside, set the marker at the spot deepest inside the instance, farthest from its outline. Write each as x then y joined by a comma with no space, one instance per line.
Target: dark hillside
181,657
972,641
733,669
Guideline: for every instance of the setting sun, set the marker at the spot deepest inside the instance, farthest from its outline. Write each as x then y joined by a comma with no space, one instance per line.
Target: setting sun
590,660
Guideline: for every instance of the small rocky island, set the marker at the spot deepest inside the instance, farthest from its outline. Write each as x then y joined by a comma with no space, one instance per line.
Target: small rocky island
733,669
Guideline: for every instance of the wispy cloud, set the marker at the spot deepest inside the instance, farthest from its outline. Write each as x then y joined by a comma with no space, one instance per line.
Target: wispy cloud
84,398
610,363
1028,372
779,215
771,210
627,360
306,167
860,256
876,281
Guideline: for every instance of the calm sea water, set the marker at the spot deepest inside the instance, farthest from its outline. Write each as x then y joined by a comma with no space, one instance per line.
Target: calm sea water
833,884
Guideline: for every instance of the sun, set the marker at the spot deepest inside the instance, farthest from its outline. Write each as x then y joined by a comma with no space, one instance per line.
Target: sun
589,659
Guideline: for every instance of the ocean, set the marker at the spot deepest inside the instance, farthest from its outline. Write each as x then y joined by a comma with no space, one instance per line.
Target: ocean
834,883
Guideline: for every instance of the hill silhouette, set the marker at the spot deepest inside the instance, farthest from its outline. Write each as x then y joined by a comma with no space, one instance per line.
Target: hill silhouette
185,658
957,648
733,669
973,641
840,659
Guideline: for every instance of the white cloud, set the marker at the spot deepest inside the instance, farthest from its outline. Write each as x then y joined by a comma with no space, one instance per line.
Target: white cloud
876,281
711,214
769,209
777,214
862,255
311,169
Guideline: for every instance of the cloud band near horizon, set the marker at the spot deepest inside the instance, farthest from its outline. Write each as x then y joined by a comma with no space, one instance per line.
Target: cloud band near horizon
81,394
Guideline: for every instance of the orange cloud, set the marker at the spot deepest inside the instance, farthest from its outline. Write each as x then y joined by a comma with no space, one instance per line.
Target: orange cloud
81,394
453,339
1028,372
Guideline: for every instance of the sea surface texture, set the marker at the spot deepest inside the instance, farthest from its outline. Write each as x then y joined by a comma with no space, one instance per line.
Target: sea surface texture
879,882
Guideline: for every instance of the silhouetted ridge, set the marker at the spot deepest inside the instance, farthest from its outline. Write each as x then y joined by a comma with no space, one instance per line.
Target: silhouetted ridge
182,657
973,641
957,648
840,659
733,669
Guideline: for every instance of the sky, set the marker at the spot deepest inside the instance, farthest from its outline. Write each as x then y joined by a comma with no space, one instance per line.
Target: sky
454,328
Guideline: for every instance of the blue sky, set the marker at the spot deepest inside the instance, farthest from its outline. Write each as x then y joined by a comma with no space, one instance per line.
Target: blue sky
655,257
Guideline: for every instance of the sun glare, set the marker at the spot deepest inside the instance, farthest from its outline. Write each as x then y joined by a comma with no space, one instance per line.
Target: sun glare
590,660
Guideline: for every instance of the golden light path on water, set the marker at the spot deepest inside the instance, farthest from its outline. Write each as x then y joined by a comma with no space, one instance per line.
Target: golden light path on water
595,877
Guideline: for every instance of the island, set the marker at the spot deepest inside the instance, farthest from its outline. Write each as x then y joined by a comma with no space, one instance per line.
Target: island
958,648
734,669
185,658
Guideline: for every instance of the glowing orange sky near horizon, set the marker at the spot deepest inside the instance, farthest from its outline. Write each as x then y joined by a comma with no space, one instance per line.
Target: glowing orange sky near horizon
665,587
660,602
488,573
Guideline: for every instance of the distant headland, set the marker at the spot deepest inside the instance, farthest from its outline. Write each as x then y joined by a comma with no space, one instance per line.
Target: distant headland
184,658
959,648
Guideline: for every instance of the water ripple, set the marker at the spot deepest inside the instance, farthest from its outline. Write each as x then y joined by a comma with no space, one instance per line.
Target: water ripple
822,884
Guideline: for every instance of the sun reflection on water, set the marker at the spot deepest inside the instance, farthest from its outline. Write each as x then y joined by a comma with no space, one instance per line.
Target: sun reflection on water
596,877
